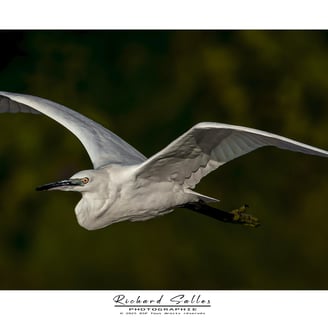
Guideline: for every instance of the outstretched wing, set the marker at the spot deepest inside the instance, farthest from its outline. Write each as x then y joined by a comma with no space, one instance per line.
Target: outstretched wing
103,146
207,146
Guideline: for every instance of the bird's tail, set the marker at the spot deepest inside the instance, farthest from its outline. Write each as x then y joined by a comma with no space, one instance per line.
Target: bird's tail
201,197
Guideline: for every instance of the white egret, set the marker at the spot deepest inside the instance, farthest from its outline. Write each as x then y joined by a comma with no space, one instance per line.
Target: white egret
125,185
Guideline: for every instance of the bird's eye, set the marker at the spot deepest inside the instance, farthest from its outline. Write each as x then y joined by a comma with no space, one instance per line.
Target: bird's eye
85,180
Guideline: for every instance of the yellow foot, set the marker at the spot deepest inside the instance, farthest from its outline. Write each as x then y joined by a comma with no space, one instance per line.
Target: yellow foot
246,219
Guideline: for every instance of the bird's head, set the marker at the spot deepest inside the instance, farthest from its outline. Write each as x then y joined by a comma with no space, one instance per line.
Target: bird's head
97,196
81,182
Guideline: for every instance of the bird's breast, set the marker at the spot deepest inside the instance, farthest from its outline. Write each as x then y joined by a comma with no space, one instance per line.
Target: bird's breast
92,213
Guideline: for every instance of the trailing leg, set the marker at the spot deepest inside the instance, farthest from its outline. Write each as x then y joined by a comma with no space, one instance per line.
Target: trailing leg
237,216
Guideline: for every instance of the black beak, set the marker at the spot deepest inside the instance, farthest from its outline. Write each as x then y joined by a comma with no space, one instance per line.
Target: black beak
62,183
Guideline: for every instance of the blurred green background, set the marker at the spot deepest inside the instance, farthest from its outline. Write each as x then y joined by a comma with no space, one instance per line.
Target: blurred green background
149,87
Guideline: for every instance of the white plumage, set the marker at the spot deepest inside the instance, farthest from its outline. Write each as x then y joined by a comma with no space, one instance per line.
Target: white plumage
124,185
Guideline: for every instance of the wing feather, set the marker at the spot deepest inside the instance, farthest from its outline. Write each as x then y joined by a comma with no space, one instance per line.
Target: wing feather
103,146
207,146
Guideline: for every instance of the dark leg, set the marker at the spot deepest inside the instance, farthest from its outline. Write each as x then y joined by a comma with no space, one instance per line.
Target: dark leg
236,216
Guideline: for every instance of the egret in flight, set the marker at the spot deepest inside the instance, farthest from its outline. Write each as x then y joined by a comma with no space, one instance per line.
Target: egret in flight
125,185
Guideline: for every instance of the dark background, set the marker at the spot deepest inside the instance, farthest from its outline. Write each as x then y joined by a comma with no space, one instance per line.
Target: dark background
149,87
